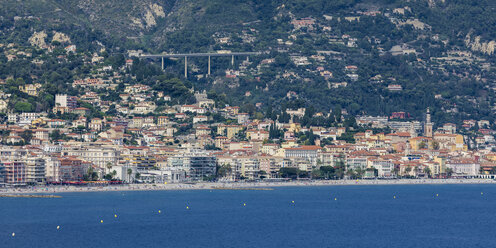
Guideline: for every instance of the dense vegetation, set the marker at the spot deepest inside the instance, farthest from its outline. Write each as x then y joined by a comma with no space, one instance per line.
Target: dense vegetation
453,91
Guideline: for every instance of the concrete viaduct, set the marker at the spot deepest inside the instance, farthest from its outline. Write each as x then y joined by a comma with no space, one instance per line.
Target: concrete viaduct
186,55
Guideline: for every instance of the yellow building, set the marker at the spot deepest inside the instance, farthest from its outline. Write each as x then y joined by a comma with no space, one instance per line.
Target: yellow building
453,142
491,156
379,136
418,143
38,122
30,89
162,120
441,161
294,127
289,144
229,130
201,131
219,141
232,130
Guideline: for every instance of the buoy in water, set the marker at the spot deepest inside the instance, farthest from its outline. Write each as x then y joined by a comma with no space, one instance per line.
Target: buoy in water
101,221
244,204
482,193
437,195
335,199
13,234
58,227
394,197
115,215
159,211
187,207
292,202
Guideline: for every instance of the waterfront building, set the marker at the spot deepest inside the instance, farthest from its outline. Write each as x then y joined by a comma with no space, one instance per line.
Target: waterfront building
168,175
357,162
99,156
35,170
309,153
73,169
2,175
384,167
15,172
52,169
249,167
196,165
464,167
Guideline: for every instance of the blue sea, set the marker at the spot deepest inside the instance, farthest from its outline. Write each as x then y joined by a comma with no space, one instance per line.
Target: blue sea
331,216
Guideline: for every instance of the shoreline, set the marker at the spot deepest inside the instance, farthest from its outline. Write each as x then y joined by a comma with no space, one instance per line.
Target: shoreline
235,186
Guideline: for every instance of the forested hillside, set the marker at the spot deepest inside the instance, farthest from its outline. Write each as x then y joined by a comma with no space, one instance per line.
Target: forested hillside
368,57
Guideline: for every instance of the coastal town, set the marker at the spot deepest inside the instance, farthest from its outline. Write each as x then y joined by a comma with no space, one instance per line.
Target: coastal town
77,112
281,123
200,142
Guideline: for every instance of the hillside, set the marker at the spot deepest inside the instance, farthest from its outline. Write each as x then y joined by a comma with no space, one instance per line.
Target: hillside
441,53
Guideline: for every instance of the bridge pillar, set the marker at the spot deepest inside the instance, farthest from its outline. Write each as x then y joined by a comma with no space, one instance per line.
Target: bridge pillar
163,64
209,65
232,61
185,67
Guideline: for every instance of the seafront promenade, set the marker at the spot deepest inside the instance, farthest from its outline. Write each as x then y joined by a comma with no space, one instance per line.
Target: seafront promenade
235,186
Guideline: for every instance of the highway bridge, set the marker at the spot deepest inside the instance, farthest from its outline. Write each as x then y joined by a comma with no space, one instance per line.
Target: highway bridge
186,55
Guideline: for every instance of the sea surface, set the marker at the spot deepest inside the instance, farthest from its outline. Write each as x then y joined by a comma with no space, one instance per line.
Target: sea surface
330,216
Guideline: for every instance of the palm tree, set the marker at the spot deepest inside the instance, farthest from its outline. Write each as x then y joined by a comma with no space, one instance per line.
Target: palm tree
435,145
109,166
449,172
359,171
427,171
396,171
350,173
129,172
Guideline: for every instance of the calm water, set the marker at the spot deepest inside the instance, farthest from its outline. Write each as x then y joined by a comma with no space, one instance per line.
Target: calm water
362,216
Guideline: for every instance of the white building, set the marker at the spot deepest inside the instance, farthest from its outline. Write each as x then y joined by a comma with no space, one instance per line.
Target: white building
464,167
384,167
99,156
52,169
65,101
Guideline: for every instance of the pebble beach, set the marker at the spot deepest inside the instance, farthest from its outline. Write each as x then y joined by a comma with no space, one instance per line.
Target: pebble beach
234,185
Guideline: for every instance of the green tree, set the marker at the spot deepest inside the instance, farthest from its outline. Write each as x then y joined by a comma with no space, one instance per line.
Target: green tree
449,172
317,174
435,145
289,172
427,171
224,170
395,171
327,171
340,169
27,135
108,166
129,173
422,145
56,135
262,174
408,169
359,172
22,107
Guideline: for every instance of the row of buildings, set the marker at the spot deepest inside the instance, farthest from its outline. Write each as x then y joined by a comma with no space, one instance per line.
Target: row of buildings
75,162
